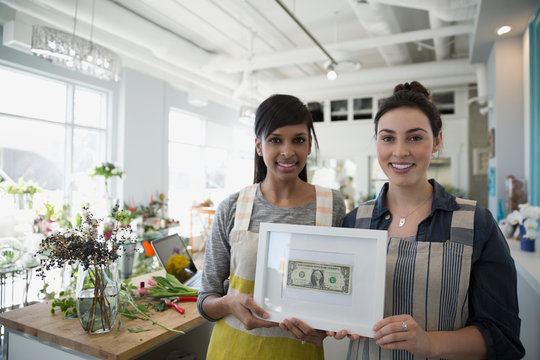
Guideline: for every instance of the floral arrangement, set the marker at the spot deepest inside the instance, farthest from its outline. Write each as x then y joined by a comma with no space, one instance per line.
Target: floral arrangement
527,218
22,187
86,246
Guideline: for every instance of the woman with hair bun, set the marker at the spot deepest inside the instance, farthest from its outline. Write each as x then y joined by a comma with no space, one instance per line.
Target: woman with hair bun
450,280
280,194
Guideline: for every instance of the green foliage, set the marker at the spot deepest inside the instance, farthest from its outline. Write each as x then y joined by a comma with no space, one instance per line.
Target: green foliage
107,170
68,306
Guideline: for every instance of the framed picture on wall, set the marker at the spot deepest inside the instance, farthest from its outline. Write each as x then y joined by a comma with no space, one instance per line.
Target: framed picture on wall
480,161
331,278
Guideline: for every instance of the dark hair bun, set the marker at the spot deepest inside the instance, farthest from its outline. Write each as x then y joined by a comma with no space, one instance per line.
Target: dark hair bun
414,86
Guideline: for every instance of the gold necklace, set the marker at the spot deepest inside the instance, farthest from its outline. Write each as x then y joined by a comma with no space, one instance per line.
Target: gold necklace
402,218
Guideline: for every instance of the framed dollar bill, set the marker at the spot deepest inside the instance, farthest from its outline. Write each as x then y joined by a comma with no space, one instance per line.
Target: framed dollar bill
331,278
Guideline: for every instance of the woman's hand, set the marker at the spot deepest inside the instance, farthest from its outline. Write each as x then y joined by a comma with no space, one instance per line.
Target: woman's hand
303,331
338,335
401,332
243,307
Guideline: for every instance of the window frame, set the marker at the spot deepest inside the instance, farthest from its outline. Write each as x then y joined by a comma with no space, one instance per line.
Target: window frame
69,125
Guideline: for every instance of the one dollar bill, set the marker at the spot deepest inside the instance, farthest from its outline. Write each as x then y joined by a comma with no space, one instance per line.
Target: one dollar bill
329,277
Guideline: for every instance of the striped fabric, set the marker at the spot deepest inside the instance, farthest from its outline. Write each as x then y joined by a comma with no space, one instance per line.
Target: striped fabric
428,280
230,340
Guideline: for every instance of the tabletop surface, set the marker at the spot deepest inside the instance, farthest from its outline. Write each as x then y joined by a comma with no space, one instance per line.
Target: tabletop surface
36,320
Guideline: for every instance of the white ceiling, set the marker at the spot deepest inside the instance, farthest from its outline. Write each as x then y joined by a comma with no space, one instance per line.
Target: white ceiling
231,50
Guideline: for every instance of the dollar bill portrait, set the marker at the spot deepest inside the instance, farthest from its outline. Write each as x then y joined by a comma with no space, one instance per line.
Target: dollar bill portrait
317,278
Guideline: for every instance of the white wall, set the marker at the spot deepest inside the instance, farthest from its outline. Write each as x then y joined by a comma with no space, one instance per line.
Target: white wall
144,151
505,88
144,110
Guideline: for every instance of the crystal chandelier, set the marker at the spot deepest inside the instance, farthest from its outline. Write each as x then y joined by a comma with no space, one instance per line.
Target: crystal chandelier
74,52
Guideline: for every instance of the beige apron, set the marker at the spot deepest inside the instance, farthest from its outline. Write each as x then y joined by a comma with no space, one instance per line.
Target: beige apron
427,280
230,340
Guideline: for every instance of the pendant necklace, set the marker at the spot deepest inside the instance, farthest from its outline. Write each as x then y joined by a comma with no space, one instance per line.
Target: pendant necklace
402,218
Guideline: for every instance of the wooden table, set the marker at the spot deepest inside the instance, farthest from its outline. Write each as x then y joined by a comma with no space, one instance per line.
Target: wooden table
37,324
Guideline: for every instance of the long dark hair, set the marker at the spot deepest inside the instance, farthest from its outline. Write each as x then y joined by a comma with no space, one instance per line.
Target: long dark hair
275,112
413,95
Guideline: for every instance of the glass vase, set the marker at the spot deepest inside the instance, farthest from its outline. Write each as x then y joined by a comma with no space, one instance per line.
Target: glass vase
97,297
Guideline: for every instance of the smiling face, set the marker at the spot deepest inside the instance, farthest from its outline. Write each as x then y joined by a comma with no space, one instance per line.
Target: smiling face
285,151
405,143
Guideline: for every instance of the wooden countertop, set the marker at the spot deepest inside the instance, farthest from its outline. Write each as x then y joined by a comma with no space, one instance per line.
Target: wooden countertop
36,320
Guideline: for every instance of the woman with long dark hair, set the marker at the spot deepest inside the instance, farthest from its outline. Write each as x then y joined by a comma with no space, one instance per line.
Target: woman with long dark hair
283,138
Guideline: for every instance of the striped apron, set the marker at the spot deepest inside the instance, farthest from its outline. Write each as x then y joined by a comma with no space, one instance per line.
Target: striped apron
230,340
427,280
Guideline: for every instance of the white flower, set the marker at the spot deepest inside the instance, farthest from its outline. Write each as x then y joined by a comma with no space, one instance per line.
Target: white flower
530,224
531,212
531,234
515,217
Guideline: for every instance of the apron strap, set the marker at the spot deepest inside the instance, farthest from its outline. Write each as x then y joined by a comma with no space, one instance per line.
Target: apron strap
462,228
363,214
323,215
244,205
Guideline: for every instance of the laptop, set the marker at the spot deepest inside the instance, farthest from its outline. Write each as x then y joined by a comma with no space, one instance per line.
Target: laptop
171,245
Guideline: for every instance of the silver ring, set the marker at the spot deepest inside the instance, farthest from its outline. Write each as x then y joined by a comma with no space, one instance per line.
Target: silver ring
404,326
303,342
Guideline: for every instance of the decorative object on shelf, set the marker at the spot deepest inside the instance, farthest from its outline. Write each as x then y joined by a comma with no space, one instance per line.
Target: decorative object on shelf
23,192
97,279
516,193
74,52
526,219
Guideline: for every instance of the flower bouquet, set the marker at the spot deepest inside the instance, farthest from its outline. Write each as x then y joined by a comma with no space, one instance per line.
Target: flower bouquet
97,277
526,219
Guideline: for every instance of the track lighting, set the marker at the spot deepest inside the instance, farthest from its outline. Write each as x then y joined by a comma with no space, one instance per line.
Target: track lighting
331,74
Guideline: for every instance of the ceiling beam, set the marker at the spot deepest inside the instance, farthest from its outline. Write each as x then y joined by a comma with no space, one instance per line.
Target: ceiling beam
314,54
448,72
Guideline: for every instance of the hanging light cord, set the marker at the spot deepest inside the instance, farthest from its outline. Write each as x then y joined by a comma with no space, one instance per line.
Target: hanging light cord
333,61
75,18
92,22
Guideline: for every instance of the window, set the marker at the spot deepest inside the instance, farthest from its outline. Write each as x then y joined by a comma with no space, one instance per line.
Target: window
362,108
207,159
53,133
338,110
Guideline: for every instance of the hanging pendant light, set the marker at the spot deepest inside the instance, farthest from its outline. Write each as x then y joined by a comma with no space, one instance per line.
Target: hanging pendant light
74,52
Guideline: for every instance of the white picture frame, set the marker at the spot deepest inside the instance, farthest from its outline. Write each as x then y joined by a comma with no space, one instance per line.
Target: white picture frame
281,245
480,161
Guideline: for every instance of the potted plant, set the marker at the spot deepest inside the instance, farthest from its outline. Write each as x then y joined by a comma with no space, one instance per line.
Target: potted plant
108,170
23,192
